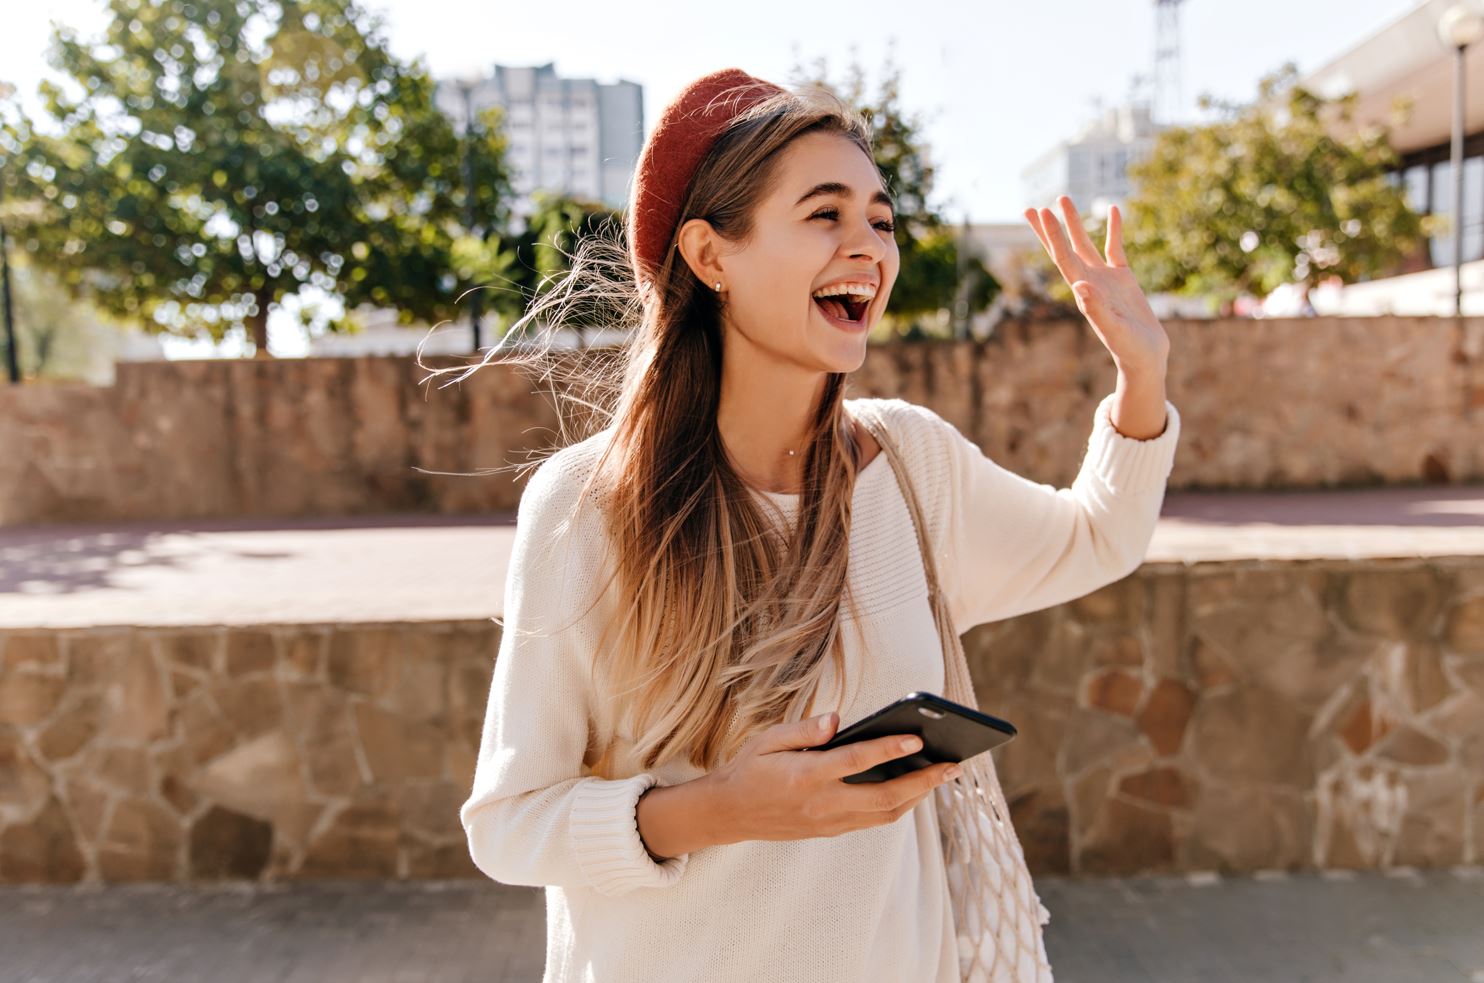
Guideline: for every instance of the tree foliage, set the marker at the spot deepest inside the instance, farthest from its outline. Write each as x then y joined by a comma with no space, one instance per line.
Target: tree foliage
1267,196
208,158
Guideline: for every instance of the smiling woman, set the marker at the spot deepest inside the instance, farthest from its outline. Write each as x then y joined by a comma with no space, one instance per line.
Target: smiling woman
707,582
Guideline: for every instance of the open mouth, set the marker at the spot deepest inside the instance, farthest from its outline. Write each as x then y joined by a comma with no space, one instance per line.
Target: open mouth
843,308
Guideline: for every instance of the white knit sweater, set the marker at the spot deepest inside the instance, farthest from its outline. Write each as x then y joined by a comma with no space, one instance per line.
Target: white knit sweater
869,905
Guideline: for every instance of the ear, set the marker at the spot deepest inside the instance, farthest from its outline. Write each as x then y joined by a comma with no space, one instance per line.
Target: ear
700,247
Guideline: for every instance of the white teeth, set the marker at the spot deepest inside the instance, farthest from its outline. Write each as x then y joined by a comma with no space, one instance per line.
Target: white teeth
864,290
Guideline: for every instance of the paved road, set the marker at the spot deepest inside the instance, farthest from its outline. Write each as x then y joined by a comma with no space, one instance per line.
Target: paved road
1399,927
419,567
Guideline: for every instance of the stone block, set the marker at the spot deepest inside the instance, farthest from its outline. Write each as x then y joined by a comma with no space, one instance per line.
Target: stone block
1121,604
303,654
1409,746
32,678
1248,734
1160,787
1116,650
363,659
198,651
1464,632
71,730
24,783
1166,715
1238,827
1206,667
142,842
199,726
261,777
1040,819
136,705
1113,691
1435,821
249,706
362,840
227,844
1130,839
1413,673
1395,602
397,749
1460,722
41,850
1470,672
335,769
1093,736
250,651
125,769
445,861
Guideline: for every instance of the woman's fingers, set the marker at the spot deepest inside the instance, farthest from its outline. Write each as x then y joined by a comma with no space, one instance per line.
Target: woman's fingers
1033,217
1115,238
1067,260
1081,241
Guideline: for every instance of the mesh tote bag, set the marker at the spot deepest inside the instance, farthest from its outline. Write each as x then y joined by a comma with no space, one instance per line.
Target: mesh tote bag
997,914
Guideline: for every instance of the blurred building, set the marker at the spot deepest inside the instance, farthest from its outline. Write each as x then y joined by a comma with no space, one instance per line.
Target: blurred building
571,135
1407,62
1092,167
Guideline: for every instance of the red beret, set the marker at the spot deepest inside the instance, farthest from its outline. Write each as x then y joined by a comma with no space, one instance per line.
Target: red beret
686,130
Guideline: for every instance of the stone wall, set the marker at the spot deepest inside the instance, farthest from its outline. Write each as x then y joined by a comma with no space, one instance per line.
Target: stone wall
288,751
1227,716
1268,403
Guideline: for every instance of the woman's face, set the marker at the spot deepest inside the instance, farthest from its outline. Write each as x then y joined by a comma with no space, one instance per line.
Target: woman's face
827,221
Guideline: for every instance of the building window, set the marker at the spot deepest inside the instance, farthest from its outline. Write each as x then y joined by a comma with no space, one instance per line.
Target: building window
1473,210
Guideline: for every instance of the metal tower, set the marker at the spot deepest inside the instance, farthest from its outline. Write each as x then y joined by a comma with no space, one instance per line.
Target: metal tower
1167,99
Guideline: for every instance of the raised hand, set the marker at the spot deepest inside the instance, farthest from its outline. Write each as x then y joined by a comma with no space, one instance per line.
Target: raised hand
1106,291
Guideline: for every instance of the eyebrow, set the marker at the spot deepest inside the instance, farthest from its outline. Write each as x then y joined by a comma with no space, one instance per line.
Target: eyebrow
844,191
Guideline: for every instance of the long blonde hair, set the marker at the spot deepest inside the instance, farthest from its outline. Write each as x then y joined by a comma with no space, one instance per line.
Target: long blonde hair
727,615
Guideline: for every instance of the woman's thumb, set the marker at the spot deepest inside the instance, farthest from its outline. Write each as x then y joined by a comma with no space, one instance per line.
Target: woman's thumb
801,733
813,731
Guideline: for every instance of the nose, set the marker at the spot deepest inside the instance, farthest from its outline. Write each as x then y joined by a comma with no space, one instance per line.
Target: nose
866,241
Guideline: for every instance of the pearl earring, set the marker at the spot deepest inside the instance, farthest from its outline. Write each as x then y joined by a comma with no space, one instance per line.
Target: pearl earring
718,285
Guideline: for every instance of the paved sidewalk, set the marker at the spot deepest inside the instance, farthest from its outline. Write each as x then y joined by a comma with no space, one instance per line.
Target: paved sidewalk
424,568
1398,927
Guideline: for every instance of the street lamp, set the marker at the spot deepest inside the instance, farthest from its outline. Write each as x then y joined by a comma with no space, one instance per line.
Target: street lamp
466,89
1460,26
12,359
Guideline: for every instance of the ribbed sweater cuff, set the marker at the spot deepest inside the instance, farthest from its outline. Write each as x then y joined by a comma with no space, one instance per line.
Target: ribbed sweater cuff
1127,465
604,827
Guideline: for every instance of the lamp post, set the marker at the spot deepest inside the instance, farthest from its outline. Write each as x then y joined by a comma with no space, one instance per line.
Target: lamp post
12,359
1460,26
466,89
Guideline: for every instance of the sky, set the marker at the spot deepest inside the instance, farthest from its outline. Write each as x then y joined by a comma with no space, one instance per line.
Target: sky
996,85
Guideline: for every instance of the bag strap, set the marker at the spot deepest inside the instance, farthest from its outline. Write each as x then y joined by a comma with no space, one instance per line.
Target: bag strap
958,682
872,421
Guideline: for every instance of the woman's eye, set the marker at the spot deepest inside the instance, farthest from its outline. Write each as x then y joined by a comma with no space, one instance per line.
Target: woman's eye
885,225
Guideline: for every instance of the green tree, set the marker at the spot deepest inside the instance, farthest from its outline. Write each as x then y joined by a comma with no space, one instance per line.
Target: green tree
1267,196
225,154
930,279
512,269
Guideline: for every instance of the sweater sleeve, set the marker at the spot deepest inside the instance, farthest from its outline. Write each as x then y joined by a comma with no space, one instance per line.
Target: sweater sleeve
534,817
1012,545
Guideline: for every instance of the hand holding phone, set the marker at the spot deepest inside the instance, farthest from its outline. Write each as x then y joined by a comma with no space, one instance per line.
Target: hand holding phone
950,732
780,787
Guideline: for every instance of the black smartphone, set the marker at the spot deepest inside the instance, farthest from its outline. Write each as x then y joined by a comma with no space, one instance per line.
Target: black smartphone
950,732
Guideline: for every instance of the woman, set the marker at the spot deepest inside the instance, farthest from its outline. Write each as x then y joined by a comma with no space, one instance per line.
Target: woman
727,570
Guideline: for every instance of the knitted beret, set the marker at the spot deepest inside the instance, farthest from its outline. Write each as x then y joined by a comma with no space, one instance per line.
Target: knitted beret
685,133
